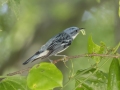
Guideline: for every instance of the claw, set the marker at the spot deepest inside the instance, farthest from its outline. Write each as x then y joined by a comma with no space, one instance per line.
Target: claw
65,58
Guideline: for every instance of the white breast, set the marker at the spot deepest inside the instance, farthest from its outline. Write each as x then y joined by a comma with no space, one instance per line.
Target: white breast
75,36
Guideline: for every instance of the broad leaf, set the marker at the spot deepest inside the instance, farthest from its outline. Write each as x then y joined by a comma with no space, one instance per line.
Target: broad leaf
13,83
44,77
114,75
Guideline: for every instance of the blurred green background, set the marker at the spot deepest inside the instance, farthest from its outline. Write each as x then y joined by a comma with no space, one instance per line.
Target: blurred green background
25,25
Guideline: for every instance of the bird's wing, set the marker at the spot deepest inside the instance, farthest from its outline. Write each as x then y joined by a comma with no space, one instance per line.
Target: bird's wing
61,40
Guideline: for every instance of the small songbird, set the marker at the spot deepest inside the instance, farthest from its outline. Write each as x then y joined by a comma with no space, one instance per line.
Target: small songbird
56,44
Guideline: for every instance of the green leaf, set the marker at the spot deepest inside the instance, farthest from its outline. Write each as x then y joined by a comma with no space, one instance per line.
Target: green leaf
94,48
44,76
13,83
97,81
114,75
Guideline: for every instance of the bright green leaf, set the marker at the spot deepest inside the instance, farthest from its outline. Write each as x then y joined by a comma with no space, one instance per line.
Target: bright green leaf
44,77
14,83
96,81
114,75
94,48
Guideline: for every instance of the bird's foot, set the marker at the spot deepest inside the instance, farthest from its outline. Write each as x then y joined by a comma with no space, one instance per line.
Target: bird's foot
65,59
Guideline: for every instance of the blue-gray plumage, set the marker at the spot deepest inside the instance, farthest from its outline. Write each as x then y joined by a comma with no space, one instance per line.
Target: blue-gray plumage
55,45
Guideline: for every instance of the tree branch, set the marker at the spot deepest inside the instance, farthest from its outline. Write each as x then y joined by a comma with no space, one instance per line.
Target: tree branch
67,58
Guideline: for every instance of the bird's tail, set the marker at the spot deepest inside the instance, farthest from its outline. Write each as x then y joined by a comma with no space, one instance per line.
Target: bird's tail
31,59
39,54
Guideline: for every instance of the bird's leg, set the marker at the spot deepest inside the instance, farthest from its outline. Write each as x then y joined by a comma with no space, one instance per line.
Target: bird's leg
64,57
50,60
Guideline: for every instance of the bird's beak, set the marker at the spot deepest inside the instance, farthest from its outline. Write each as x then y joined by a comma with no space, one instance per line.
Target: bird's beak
81,28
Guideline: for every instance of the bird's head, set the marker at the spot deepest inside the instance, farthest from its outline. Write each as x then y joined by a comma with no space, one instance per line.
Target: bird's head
73,31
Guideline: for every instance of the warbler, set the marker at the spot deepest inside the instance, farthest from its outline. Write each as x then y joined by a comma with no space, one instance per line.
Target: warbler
56,44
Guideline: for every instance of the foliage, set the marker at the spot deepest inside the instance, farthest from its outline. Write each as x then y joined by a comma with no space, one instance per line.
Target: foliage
41,77
114,75
94,48
46,76
93,81
13,83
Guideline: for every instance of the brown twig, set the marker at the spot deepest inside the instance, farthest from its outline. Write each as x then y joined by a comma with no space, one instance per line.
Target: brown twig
19,72
87,55
67,58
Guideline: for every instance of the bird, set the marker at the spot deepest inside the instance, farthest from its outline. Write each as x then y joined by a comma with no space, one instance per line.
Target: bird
56,44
